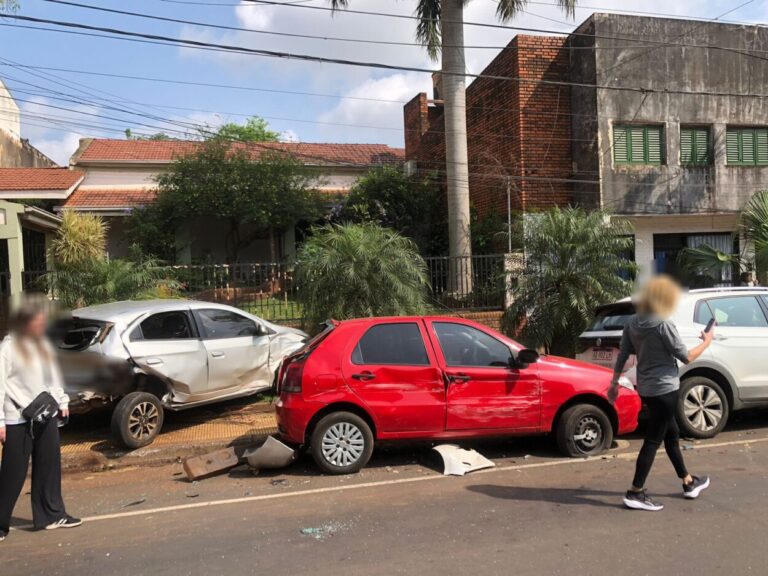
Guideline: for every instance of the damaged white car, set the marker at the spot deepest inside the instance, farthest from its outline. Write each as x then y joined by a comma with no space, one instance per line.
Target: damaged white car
144,357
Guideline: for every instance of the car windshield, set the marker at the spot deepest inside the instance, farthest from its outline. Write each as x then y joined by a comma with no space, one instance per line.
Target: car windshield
612,318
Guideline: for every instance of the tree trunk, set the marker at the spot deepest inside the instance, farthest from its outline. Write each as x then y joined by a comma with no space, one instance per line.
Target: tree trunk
457,162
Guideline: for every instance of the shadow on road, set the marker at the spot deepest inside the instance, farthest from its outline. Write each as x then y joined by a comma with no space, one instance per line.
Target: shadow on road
568,496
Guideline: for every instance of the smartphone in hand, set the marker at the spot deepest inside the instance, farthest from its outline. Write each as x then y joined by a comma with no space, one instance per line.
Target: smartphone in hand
710,325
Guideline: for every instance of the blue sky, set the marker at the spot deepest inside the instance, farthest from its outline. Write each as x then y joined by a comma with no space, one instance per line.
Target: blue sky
303,117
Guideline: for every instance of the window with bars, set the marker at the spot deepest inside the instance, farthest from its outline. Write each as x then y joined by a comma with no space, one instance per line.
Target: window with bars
636,144
695,145
746,146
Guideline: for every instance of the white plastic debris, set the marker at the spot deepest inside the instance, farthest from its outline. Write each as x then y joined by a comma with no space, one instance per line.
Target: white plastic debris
271,454
458,461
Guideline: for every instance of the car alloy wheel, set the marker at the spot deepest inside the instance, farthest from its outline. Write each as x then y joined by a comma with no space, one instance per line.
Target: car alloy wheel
143,420
588,434
703,408
343,444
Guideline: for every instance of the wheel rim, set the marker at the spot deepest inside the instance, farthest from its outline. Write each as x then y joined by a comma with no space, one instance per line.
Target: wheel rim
588,435
703,408
343,444
143,421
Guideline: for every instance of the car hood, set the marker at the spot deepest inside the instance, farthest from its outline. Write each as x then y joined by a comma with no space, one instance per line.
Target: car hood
576,367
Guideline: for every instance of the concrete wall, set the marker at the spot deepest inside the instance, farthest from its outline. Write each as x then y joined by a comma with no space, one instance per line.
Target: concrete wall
10,118
19,153
671,188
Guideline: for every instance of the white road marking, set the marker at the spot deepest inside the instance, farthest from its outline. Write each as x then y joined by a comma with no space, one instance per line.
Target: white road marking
331,489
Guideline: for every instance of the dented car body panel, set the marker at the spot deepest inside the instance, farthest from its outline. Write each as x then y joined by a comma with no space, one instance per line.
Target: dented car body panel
196,352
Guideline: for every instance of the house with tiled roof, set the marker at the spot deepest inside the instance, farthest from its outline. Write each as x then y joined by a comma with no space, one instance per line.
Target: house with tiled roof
120,175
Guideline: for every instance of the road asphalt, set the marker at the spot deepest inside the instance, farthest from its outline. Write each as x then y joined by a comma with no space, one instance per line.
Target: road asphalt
535,513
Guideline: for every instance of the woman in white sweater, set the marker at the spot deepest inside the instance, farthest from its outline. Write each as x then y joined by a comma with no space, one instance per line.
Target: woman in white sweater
27,368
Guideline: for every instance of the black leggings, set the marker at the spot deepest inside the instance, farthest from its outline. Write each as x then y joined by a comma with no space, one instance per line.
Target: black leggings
661,426
44,448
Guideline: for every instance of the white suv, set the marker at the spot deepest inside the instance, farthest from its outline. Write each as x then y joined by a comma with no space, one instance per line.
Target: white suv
731,375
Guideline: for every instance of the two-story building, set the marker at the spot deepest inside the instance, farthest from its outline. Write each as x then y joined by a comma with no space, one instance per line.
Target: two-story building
661,121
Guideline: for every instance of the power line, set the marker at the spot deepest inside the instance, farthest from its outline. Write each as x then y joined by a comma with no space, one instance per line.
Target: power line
166,41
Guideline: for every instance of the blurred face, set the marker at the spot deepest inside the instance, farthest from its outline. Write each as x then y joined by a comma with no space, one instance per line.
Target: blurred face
35,328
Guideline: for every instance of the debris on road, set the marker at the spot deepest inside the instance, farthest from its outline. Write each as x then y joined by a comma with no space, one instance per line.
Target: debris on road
279,482
271,454
458,461
327,530
210,464
135,503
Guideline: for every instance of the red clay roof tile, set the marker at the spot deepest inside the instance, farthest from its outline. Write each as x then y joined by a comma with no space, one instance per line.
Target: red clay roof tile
109,198
12,179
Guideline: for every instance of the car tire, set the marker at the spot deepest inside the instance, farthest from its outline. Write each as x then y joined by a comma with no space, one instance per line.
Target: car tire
137,419
341,443
584,430
702,409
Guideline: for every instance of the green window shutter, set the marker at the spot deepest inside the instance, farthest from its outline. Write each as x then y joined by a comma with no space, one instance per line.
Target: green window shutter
732,147
637,153
687,155
654,143
701,139
620,144
761,145
748,146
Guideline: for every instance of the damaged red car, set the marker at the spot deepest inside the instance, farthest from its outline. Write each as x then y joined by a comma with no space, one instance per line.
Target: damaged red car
379,379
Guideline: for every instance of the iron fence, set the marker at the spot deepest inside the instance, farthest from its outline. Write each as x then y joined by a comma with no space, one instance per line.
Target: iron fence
467,283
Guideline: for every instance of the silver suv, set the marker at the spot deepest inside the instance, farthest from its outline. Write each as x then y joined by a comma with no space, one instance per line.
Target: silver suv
731,375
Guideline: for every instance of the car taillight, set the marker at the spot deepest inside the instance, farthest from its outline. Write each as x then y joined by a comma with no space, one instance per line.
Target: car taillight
294,371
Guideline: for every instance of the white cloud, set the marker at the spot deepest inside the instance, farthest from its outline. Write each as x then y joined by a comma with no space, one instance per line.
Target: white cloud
289,136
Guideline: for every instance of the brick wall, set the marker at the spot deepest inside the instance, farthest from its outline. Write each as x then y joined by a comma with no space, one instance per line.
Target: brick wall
519,128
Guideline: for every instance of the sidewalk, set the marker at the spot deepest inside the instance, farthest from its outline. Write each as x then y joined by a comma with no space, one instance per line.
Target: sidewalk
88,445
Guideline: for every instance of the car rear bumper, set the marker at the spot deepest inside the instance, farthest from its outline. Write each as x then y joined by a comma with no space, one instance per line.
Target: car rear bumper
627,409
293,415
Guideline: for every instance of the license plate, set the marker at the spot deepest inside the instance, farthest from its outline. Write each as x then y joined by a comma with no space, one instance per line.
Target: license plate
602,355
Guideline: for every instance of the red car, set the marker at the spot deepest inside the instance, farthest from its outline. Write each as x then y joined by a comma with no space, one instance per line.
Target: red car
361,381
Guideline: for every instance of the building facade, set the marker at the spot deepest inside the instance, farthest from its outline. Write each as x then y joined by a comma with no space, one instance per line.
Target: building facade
661,121
119,176
15,151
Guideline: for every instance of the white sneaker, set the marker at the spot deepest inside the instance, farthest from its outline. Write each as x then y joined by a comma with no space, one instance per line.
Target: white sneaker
699,484
66,522
641,501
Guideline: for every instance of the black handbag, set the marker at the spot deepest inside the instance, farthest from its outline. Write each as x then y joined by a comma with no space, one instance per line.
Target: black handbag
41,410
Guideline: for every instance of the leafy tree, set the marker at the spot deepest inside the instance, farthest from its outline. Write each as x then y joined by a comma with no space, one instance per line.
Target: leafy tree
10,5
574,263
359,270
254,197
255,129
129,135
407,204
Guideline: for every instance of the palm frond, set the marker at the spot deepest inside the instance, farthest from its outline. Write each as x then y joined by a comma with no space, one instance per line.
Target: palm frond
428,30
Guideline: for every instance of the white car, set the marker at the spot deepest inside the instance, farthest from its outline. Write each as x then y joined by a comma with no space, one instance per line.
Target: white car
731,375
144,357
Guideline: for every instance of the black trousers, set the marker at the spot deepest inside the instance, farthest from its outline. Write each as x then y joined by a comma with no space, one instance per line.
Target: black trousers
661,427
45,451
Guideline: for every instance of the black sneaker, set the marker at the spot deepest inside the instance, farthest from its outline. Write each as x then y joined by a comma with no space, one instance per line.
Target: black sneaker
641,501
66,522
695,488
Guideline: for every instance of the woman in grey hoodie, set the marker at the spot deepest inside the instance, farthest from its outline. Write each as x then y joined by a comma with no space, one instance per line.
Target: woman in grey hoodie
658,346
27,368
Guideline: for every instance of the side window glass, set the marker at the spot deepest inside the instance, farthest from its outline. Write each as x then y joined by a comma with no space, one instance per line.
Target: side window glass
225,324
394,344
466,346
703,314
164,326
742,311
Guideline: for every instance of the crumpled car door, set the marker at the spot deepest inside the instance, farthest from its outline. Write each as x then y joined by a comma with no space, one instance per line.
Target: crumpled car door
237,349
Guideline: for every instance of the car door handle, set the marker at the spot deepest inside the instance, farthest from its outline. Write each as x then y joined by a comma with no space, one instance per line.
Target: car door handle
217,354
154,361
719,337
458,378
365,376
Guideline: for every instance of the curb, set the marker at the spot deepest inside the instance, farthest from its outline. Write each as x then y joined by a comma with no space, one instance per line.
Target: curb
116,458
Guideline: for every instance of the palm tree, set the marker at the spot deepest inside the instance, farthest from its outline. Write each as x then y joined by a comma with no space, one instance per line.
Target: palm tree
358,270
575,261
441,31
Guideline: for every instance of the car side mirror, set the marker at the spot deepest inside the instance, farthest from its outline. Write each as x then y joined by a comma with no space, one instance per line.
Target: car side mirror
526,356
